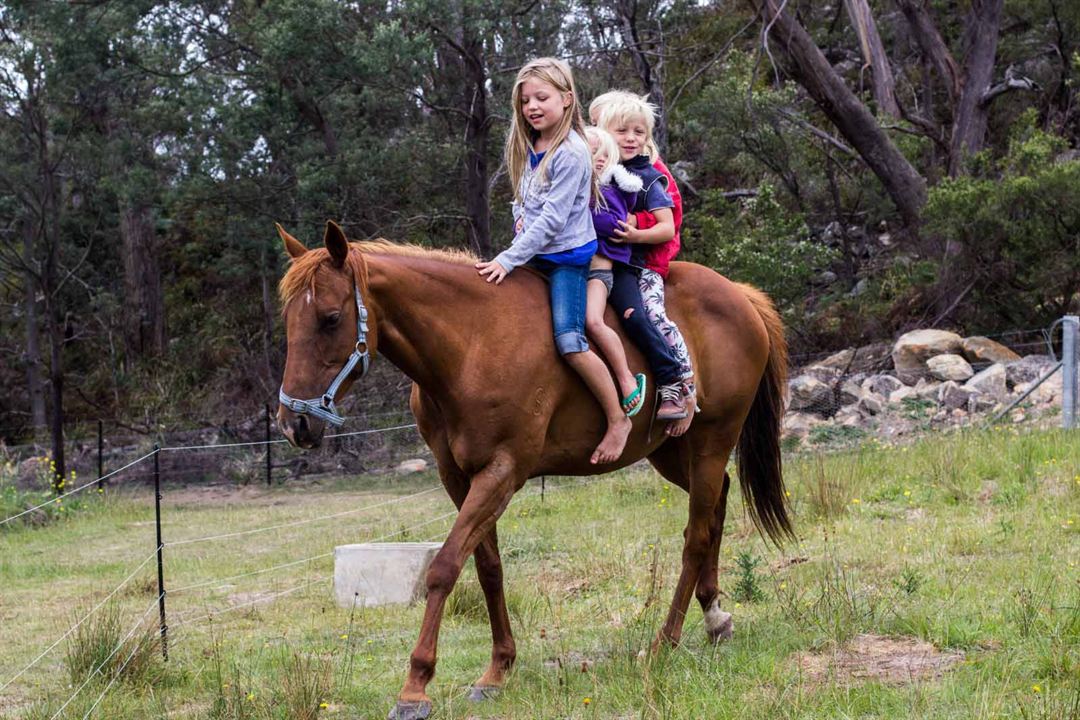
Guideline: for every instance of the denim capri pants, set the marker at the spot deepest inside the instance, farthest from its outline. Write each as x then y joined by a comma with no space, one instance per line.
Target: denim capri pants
568,300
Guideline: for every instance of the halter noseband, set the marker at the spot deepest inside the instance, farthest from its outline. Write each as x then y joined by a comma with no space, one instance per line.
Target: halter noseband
323,407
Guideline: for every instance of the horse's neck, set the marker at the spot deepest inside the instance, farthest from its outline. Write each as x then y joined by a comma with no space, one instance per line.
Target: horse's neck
419,308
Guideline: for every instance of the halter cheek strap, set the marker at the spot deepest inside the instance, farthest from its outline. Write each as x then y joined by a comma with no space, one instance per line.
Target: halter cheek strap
323,407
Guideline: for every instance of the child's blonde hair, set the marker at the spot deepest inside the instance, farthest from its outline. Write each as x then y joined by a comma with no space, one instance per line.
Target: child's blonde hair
556,73
619,106
607,148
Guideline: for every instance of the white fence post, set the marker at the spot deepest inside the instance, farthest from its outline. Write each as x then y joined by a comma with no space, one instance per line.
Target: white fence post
1070,325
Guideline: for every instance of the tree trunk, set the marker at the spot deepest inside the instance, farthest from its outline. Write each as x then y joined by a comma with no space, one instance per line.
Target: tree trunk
932,45
875,57
268,315
972,112
650,73
144,323
34,388
903,183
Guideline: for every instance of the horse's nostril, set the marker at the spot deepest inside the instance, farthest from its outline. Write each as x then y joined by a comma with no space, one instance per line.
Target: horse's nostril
302,424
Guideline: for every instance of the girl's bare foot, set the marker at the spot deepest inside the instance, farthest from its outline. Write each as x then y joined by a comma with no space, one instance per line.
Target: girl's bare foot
611,447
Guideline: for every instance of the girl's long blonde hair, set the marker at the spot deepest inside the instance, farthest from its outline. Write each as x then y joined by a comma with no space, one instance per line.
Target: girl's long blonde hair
556,73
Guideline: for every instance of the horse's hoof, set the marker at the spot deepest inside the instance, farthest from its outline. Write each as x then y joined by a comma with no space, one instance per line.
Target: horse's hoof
719,625
419,710
479,693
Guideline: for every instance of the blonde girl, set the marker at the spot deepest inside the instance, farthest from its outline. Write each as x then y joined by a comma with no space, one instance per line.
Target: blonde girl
551,171
655,235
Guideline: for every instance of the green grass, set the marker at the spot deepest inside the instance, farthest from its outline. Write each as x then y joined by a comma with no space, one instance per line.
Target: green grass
969,541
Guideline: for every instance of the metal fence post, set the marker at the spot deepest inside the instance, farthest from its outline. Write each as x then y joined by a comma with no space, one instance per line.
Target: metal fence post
160,566
268,464
1070,325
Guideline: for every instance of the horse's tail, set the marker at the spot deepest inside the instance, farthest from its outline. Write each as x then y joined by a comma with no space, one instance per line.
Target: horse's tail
759,464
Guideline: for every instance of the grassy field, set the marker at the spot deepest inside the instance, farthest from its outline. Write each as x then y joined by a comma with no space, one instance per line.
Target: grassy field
969,542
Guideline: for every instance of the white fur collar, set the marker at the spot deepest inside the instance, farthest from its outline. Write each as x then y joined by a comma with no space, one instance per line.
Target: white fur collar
622,178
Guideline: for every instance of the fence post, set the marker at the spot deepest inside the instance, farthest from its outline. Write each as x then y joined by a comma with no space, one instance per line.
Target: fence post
160,566
268,465
100,453
1069,327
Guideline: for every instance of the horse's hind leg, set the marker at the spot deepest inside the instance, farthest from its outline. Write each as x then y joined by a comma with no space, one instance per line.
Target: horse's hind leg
707,454
718,624
672,460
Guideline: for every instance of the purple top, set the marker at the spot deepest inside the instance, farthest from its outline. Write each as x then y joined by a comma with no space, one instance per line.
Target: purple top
606,221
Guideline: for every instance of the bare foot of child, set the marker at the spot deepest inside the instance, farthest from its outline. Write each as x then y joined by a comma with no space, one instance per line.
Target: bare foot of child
611,447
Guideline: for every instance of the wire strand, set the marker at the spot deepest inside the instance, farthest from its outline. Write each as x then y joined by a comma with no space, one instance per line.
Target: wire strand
74,627
95,671
106,476
295,523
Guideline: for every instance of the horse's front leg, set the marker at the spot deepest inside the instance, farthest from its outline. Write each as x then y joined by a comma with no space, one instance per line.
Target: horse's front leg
489,494
503,648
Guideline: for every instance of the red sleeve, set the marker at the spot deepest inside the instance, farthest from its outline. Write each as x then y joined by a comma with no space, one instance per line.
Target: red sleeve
660,257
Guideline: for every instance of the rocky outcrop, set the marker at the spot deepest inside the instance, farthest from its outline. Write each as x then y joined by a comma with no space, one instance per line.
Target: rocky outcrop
949,367
980,351
913,349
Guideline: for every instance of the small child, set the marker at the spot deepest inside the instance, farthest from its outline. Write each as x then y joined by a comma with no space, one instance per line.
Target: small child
551,170
632,119
618,190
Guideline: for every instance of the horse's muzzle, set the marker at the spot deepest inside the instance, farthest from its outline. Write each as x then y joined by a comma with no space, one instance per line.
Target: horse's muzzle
300,430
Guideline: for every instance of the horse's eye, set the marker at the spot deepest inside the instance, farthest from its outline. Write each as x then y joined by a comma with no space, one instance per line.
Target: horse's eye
331,321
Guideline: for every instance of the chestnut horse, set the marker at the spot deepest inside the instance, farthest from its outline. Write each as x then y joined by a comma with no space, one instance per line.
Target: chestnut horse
497,406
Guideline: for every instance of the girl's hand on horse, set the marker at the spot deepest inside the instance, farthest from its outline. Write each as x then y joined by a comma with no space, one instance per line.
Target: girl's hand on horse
492,270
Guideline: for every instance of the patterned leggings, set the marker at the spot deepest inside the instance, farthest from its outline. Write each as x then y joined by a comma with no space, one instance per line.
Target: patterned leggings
652,296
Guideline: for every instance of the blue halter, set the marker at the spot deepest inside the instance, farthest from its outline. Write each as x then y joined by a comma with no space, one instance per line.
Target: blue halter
323,407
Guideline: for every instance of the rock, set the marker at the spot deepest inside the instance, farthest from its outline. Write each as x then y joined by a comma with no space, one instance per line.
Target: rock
978,349
872,358
954,396
982,403
850,392
1028,369
800,424
913,349
823,373
408,467
826,277
809,393
860,287
839,361
852,418
883,385
949,367
927,389
897,397
871,404
990,381
1048,392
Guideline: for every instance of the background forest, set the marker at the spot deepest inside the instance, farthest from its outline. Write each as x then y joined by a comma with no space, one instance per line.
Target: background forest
873,164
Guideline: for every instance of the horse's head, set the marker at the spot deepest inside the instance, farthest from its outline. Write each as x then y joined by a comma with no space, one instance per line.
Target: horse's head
326,325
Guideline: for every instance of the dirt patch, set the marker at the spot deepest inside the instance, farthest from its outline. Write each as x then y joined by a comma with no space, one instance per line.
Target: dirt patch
888,660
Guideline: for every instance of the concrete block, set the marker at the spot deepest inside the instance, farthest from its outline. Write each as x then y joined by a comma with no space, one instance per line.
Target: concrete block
372,574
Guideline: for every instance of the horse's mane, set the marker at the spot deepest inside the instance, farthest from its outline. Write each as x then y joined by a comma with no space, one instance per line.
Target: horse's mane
301,273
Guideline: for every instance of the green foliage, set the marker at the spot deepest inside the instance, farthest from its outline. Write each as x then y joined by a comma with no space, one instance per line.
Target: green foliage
759,242
747,587
1015,225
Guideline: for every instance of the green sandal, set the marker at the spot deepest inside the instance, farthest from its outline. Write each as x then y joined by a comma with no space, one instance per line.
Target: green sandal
632,403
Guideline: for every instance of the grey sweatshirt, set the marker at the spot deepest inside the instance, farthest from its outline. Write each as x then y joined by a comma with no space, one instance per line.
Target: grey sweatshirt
555,213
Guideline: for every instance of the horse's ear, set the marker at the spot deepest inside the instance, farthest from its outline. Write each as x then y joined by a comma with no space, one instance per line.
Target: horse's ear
294,247
336,243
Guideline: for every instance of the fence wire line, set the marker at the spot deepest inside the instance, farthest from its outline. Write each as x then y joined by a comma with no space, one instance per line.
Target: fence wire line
302,522
176,448
265,598
307,559
106,476
86,617
120,670
95,671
